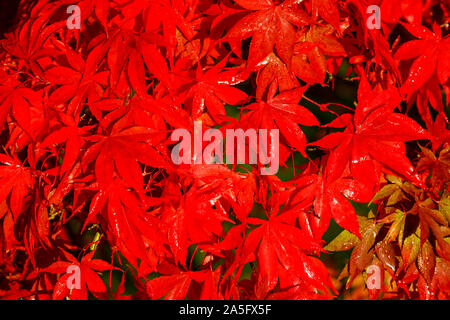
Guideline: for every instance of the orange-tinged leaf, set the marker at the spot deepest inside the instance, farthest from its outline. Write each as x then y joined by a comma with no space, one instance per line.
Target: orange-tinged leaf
426,261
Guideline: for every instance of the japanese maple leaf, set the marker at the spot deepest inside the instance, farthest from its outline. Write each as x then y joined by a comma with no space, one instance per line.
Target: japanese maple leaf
125,57
374,136
271,26
80,80
176,286
328,10
173,18
311,52
21,193
441,135
101,10
16,183
26,107
430,94
274,70
86,269
135,231
328,197
433,56
363,248
72,135
372,39
8,84
284,112
172,287
411,10
109,157
210,88
309,63
435,221
237,189
194,220
120,291
130,53
281,247
29,42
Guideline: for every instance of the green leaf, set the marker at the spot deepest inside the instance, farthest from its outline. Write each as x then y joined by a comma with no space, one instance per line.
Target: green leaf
426,262
410,249
398,225
344,241
362,254
385,192
444,206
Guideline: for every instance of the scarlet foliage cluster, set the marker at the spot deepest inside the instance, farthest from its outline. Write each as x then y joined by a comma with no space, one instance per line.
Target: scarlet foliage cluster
87,180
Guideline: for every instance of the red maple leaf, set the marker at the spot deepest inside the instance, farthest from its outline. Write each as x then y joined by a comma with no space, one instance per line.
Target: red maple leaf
373,136
432,52
328,198
284,112
271,26
109,158
84,269
210,88
16,183
282,248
